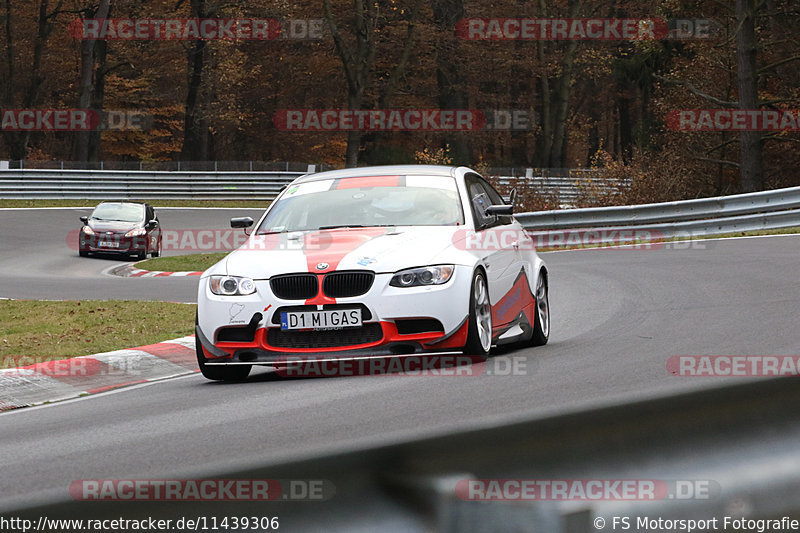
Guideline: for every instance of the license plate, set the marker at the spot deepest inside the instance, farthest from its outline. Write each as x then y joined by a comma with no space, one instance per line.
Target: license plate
331,319
108,244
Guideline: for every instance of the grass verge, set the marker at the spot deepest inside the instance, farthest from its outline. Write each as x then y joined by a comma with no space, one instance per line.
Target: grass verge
243,204
35,331
181,263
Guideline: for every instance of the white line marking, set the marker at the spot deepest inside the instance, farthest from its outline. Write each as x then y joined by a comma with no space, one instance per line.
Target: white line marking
97,395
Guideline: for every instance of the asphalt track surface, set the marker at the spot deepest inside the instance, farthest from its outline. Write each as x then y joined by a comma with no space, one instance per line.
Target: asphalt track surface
39,256
617,316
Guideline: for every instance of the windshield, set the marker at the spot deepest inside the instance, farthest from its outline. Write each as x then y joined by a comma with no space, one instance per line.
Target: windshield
119,212
366,202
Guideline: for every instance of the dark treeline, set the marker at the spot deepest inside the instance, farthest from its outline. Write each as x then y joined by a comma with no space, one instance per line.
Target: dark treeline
602,103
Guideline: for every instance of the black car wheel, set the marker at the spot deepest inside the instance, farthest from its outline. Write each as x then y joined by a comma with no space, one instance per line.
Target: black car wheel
479,334
157,251
541,328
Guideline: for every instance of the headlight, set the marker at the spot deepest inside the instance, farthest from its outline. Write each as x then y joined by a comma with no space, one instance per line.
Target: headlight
231,285
415,277
87,230
136,232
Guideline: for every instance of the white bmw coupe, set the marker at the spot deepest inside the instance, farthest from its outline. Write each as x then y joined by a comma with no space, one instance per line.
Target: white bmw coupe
376,260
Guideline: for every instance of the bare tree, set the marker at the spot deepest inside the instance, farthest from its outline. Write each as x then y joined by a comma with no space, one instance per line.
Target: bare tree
18,141
91,51
195,130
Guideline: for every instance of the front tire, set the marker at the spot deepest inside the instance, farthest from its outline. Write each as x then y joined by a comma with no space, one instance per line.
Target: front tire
479,334
541,328
157,251
219,373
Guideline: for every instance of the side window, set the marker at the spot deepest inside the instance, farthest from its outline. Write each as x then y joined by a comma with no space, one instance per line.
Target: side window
478,200
494,196
496,199
482,195
149,213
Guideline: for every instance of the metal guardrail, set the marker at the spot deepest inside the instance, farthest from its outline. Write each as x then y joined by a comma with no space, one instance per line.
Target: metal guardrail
566,188
704,216
232,185
123,185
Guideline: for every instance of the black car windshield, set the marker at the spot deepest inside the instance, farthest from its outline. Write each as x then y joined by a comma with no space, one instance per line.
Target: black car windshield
119,212
366,202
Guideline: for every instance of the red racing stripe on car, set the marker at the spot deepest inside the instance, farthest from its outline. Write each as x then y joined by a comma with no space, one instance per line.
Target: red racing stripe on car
367,181
325,249
513,302
329,247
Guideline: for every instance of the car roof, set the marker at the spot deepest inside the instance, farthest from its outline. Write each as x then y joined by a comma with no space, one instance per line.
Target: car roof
121,203
384,170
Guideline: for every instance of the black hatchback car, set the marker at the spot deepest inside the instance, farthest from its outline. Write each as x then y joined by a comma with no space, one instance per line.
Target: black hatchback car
125,228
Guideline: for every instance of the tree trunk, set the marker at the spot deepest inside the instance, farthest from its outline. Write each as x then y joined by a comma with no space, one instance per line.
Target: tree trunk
357,63
450,81
86,85
193,148
553,141
98,99
18,141
354,101
751,165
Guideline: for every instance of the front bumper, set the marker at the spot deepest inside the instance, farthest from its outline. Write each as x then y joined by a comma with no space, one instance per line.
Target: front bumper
246,329
111,244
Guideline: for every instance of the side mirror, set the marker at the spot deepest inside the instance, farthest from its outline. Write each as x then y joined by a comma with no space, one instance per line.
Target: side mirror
152,224
500,210
241,222
85,219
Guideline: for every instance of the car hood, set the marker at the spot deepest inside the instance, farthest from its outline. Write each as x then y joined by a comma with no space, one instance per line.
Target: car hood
375,249
115,226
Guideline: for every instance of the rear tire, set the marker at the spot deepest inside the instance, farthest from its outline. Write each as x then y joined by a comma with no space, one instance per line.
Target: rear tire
479,334
220,373
541,327
83,253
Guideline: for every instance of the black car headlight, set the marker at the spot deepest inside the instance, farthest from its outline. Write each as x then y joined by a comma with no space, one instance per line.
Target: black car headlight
231,285
416,277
